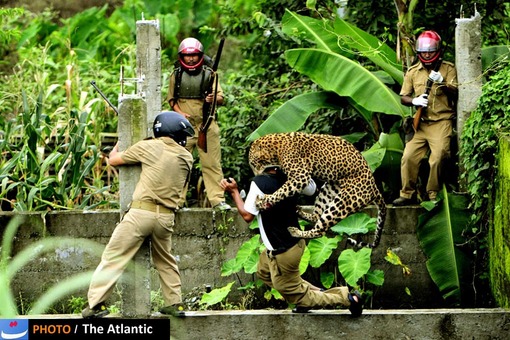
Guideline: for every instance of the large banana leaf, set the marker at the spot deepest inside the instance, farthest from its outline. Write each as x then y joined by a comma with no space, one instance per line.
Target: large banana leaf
342,39
371,48
320,32
440,234
292,114
347,78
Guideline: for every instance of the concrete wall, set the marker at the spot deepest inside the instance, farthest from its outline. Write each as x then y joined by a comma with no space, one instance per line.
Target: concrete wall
203,240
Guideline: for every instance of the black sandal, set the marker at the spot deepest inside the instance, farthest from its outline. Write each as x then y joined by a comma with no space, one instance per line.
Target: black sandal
356,307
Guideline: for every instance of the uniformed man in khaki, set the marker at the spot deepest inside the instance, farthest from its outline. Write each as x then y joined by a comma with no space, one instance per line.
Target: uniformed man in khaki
187,85
166,167
435,127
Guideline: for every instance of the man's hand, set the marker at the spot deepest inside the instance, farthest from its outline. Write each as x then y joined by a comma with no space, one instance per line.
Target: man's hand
228,185
436,76
421,100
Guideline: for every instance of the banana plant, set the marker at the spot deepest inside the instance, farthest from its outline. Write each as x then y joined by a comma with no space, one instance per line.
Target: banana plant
440,235
332,64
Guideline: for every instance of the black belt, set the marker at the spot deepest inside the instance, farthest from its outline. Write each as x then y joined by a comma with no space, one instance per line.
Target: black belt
276,251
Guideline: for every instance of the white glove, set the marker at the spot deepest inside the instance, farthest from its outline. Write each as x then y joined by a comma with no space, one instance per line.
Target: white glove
421,100
436,77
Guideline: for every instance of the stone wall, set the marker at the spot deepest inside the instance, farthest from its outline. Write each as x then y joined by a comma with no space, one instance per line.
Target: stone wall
203,239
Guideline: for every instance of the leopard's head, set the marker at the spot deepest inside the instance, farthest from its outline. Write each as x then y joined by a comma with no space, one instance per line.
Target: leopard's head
263,154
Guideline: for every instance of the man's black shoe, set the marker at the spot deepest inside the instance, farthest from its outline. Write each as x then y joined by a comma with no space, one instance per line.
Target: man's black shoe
98,311
401,201
174,310
300,309
356,307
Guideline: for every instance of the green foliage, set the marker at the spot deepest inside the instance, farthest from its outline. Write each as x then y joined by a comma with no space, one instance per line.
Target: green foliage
480,141
321,249
32,180
333,69
359,223
9,33
76,304
440,232
246,258
216,295
354,264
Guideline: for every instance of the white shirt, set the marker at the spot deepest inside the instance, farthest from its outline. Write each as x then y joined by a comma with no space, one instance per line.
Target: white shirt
249,206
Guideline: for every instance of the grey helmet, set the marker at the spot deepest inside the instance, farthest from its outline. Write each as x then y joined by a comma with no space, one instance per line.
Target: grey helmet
173,125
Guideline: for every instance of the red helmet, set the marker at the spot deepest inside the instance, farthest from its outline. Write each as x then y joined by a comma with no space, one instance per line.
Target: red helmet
191,46
428,41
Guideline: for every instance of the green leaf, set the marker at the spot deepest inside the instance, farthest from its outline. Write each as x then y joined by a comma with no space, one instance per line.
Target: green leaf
353,265
305,260
216,295
439,232
293,114
317,31
375,277
230,267
374,156
370,47
358,223
246,256
250,265
321,249
327,279
334,72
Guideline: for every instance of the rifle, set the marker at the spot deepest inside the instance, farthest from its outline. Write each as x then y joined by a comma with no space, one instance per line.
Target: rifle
419,111
93,83
208,108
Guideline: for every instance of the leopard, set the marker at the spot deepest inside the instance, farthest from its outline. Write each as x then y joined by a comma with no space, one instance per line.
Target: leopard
349,184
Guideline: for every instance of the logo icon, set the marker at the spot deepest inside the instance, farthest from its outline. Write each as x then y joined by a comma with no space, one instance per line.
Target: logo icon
14,329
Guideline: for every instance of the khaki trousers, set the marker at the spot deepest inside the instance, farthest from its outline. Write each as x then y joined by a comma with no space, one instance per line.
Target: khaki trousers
430,136
281,272
210,163
125,241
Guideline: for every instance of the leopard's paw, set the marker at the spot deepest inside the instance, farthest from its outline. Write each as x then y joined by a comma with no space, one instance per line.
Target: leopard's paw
262,204
295,232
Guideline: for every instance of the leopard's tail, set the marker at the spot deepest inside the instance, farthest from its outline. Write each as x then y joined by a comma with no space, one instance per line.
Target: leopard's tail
381,218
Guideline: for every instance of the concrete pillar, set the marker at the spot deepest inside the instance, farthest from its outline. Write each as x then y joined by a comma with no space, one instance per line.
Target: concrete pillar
136,116
135,283
468,61
148,65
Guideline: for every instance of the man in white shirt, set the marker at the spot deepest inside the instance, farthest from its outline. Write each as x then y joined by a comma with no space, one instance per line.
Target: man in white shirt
278,265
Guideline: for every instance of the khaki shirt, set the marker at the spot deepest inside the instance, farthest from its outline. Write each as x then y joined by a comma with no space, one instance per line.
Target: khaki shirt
440,106
166,166
193,107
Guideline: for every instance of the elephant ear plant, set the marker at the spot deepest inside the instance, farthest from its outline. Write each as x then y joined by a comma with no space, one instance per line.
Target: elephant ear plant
351,266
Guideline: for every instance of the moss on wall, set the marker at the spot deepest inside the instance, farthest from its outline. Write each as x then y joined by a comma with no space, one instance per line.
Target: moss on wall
499,241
